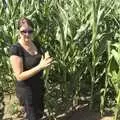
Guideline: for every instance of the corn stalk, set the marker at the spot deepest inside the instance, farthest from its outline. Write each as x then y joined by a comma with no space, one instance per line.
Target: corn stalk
115,77
96,5
107,78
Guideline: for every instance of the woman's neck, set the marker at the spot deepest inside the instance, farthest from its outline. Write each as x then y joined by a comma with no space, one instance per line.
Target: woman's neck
25,43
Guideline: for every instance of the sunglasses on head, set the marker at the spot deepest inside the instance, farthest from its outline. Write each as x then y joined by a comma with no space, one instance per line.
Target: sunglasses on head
27,31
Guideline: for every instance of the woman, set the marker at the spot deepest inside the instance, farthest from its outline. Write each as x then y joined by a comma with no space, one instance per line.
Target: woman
28,63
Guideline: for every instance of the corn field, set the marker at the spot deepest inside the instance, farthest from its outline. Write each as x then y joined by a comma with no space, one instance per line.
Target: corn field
83,37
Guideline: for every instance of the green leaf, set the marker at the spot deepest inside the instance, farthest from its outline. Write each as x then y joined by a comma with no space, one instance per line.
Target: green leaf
1,22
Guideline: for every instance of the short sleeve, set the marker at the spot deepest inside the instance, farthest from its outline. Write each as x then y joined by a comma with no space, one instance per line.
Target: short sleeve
15,50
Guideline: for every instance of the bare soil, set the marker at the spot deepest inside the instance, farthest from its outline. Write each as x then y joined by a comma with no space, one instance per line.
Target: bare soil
83,113
12,112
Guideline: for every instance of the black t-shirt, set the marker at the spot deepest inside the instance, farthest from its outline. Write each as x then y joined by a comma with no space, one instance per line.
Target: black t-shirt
29,61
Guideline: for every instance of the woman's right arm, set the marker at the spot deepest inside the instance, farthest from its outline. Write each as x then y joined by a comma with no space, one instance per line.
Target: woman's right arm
17,66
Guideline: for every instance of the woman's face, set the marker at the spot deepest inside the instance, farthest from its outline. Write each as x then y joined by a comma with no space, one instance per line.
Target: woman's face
26,32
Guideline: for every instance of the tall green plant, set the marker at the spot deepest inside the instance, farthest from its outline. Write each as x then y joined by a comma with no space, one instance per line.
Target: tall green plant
115,74
96,7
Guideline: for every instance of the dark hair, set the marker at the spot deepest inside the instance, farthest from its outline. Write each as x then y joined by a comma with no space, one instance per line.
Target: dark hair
23,21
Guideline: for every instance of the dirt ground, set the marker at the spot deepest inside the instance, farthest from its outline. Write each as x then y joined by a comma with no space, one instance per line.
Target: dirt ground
82,112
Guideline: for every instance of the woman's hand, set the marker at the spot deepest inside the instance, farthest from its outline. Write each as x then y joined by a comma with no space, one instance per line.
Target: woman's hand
47,55
45,61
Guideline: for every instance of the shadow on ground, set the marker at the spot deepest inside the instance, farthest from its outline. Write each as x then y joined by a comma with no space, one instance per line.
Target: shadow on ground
82,113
